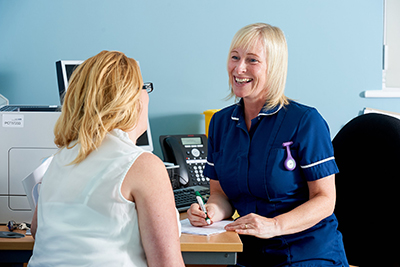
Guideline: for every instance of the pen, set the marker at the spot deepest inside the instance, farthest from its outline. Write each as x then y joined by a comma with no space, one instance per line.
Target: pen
201,203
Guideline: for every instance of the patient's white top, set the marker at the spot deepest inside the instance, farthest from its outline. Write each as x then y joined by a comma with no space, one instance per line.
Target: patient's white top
83,219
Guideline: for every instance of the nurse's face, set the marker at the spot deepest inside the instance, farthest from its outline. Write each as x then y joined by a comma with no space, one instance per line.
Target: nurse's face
247,72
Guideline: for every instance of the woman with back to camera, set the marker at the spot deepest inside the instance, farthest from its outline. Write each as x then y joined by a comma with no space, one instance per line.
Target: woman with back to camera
103,200
271,159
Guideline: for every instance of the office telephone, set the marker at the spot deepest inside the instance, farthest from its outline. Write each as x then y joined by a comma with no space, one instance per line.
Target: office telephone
190,153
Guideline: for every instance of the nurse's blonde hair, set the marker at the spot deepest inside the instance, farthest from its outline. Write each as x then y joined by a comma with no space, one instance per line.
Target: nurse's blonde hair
276,51
103,95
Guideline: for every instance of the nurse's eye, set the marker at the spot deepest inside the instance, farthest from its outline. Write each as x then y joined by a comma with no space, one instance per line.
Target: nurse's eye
235,58
253,60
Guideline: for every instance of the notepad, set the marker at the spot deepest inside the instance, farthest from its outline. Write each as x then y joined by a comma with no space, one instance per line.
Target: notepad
215,228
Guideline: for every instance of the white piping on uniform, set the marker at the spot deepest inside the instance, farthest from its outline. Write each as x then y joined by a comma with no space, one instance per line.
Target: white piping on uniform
316,163
211,164
269,114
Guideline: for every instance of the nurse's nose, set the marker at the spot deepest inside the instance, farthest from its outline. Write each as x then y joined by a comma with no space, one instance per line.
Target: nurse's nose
241,67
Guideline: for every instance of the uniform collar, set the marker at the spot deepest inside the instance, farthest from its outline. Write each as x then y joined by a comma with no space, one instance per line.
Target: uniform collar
238,111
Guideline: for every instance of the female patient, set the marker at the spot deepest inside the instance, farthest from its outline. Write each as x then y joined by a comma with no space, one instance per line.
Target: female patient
103,201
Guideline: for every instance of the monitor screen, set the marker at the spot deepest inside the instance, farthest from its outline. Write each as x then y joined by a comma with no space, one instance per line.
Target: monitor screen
64,69
145,141
69,69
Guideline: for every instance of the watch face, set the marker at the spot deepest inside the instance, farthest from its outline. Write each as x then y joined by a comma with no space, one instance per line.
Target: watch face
290,164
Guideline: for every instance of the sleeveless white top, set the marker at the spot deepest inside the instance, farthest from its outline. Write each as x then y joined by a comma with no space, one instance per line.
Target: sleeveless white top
83,219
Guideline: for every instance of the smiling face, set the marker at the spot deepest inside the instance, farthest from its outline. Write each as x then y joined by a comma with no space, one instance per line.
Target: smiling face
257,65
247,70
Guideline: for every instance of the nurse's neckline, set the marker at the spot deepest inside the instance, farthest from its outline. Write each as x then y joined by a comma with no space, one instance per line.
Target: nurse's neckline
263,112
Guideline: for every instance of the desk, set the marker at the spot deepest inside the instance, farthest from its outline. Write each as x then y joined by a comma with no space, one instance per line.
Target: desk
216,249
15,250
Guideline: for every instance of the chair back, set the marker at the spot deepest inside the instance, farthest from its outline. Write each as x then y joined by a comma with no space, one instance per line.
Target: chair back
367,152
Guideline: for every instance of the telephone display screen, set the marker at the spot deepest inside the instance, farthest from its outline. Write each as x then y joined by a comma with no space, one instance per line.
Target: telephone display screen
191,141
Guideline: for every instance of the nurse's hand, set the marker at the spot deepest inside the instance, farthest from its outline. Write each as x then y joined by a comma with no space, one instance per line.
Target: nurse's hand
197,217
255,225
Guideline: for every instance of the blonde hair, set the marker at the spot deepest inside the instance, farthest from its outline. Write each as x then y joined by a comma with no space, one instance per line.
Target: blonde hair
276,51
103,95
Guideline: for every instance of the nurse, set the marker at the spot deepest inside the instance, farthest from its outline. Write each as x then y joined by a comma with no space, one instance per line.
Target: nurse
271,159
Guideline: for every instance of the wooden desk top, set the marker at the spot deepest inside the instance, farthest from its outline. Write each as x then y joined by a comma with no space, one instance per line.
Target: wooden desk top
25,243
224,242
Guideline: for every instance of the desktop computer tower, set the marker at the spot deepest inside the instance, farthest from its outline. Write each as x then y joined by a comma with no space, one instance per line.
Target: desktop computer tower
26,139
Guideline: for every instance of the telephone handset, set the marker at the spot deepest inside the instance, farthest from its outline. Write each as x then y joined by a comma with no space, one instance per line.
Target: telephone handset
190,153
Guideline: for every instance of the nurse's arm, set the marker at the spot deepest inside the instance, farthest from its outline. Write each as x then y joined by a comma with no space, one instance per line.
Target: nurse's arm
222,206
321,204
218,207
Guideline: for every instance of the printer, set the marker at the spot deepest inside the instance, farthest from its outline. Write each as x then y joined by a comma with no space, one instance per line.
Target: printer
26,140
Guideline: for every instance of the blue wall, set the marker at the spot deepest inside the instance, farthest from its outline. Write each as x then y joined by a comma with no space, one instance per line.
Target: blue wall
335,51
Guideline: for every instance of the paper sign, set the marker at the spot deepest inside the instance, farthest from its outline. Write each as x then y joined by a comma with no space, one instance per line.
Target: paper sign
13,120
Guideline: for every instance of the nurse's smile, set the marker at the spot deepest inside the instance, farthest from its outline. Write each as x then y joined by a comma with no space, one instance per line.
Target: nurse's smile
241,81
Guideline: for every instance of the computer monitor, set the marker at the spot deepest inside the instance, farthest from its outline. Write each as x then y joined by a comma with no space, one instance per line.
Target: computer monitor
64,69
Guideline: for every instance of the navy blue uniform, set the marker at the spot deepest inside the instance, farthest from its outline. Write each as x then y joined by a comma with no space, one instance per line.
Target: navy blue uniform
249,166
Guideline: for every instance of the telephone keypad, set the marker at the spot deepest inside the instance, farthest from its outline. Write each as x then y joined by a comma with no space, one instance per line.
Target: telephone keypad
196,174
196,165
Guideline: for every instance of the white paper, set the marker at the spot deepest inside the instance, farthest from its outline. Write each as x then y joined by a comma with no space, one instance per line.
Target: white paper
215,228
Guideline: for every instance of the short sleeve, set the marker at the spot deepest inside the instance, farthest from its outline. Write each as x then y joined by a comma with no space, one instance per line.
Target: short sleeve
315,147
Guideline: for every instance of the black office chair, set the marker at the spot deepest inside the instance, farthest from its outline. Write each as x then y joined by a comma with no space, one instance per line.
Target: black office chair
367,152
